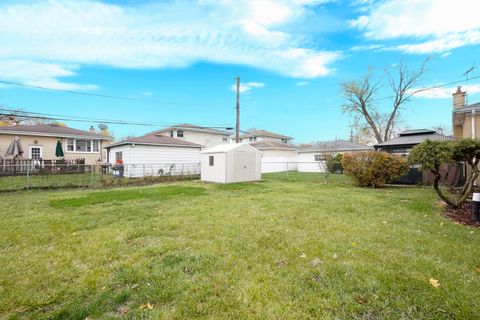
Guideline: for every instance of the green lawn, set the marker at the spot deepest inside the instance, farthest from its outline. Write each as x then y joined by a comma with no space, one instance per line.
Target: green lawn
288,247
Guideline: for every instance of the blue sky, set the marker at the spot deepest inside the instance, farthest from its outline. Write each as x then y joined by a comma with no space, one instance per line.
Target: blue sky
180,58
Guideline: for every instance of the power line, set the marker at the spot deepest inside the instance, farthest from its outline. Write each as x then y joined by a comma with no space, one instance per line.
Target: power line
56,117
17,84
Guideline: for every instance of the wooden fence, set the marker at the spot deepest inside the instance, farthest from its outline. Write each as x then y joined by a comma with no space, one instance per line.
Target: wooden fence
13,167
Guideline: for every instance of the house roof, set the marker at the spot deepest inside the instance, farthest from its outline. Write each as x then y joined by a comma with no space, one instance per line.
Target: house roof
413,137
273,145
50,130
468,109
336,146
263,133
155,140
192,127
223,148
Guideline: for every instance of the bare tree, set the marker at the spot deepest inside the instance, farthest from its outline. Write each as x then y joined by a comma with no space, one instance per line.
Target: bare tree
362,105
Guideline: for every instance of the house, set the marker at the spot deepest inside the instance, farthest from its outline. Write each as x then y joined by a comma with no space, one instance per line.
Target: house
277,156
155,155
231,163
465,118
403,144
312,158
259,135
207,137
39,141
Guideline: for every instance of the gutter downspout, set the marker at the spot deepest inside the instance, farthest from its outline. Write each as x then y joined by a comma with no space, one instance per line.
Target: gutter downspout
473,123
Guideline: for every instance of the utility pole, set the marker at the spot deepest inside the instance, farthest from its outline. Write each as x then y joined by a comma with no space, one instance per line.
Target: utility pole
237,124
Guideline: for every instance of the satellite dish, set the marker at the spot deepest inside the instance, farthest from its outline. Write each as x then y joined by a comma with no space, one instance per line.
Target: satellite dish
102,126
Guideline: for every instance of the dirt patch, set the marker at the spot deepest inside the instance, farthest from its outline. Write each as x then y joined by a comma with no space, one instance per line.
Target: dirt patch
462,215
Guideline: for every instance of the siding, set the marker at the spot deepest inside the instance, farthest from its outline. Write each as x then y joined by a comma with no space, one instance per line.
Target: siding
140,160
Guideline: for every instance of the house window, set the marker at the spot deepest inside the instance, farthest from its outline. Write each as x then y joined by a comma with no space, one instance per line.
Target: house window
118,156
319,157
252,139
95,147
224,139
35,153
81,145
284,140
211,161
70,145
179,133
171,133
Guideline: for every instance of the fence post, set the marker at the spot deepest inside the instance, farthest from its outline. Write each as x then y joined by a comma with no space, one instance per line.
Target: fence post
91,174
28,177
287,169
182,170
144,170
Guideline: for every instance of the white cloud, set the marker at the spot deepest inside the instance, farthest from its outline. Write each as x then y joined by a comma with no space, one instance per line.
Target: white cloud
246,87
62,34
433,25
302,83
444,92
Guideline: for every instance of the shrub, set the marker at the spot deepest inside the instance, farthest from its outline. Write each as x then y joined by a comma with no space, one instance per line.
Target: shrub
334,163
373,169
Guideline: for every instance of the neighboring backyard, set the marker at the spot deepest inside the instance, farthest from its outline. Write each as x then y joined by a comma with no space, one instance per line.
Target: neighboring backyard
288,247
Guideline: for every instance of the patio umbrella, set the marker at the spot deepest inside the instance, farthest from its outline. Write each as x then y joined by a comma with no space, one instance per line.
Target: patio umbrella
59,149
15,148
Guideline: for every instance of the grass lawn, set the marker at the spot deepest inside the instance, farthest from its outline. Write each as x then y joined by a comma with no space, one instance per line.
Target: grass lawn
288,247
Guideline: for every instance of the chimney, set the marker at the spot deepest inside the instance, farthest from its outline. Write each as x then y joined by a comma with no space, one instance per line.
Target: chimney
459,98
92,129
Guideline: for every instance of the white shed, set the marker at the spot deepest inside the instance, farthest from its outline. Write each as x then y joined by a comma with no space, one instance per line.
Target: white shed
155,155
231,163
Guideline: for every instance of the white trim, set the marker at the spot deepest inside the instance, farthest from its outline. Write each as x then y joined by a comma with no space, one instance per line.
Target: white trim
151,144
35,146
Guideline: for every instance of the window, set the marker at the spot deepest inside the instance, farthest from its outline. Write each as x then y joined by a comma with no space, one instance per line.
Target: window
319,157
252,139
118,156
211,161
179,133
70,145
171,133
284,140
95,147
35,153
224,139
81,145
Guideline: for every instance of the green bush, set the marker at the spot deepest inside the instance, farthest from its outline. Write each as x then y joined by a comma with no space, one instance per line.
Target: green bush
334,163
373,169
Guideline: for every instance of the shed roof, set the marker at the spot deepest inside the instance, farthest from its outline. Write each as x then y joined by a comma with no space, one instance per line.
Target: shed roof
223,148
156,140
413,137
50,130
336,146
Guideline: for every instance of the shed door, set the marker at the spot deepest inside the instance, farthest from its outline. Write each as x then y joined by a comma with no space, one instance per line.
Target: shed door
244,166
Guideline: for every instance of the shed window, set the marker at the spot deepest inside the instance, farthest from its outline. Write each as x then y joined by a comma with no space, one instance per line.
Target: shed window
211,161
319,157
179,133
118,156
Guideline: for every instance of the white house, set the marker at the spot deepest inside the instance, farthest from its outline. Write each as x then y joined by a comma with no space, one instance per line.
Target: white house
312,158
277,156
207,137
259,135
155,155
231,163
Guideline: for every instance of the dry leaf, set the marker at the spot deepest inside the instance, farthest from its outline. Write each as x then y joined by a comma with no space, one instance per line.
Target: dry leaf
477,269
148,306
303,256
434,283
